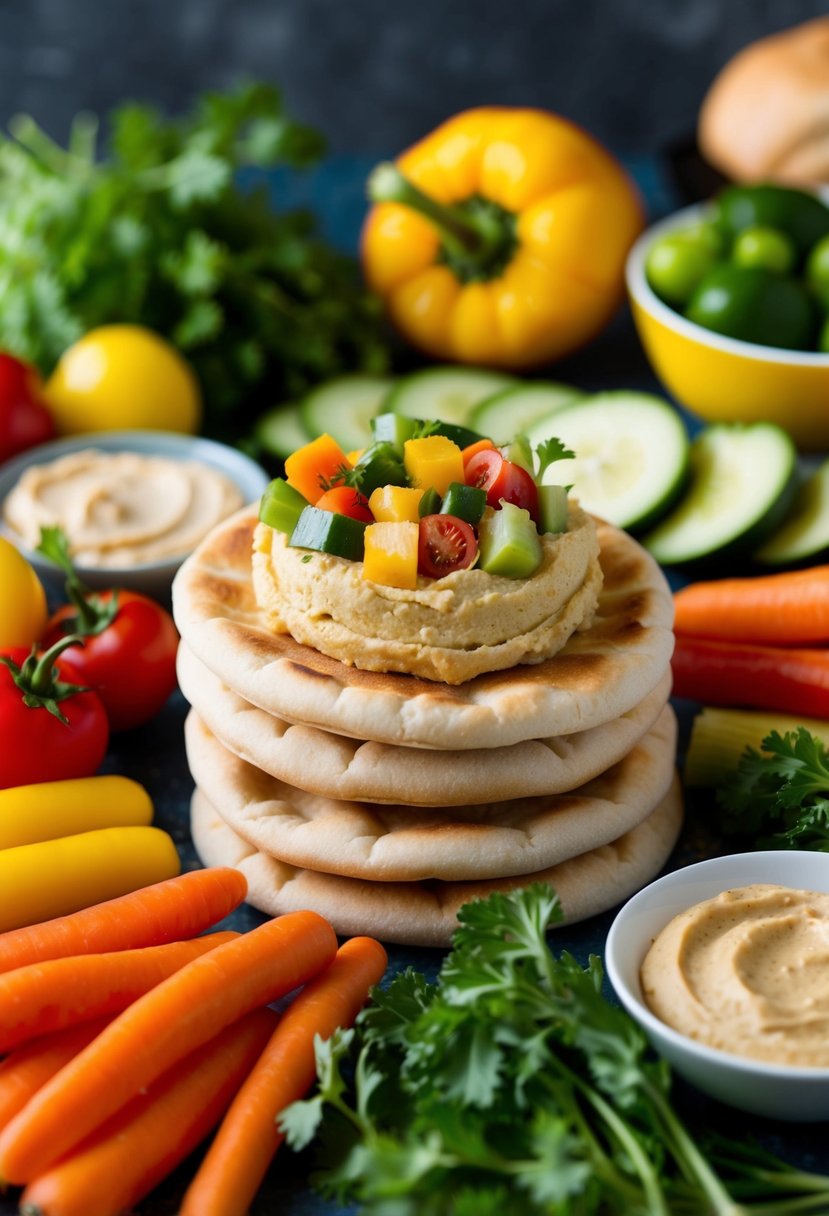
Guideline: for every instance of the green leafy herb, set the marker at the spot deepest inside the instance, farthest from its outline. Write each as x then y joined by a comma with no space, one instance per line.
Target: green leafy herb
548,452
512,1086
781,794
160,233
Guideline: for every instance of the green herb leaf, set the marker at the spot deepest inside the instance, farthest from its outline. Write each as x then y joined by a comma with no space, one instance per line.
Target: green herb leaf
548,452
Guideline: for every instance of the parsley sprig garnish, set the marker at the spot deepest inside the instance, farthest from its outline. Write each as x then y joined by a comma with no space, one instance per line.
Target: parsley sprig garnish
549,451
781,794
512,1087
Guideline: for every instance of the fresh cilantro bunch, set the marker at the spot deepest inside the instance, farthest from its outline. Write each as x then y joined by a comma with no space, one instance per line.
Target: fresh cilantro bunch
780,795
512,1087
158,232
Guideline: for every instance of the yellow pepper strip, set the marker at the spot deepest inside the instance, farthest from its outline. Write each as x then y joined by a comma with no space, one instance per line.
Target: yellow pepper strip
501,237
391,554
55,877
31,813
395,504
434,461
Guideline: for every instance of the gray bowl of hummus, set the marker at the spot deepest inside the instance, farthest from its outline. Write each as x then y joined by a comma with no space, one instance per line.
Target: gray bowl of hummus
133,504
725,966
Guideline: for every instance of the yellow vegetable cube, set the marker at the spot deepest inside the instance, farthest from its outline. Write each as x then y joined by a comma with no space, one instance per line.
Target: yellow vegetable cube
433,461
395,504
391,554
353,457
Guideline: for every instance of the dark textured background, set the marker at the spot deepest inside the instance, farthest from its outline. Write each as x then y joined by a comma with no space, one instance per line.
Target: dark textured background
376,74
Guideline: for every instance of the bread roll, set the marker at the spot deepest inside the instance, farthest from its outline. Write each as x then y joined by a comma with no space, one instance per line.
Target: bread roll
766,116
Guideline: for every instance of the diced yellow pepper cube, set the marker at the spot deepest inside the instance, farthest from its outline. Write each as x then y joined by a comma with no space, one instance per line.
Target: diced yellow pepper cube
390,555
433,461
395,504
353,457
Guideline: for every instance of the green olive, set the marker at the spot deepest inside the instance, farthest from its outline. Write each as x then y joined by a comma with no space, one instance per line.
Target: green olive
676,264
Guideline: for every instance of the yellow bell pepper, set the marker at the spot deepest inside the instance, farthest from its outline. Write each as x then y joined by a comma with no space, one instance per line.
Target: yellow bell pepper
390,556
501,237
30,813
433,461
395,504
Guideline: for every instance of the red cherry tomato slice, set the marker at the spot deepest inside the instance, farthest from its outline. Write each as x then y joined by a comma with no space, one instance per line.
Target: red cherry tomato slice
345,500
503,480
445,543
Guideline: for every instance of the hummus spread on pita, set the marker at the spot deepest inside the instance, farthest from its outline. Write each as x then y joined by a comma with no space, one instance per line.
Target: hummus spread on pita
449,629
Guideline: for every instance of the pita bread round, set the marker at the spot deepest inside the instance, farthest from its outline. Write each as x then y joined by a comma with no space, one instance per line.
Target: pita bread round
425,914
338,767
384,843
600,674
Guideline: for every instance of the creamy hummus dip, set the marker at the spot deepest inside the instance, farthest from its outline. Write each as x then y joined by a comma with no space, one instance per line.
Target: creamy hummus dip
121,509
449,629
747,972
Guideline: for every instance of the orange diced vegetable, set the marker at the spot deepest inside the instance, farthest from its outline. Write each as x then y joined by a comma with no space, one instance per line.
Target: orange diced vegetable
480,445
310,468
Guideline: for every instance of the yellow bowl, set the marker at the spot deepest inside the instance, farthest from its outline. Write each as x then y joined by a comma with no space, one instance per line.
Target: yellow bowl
723,379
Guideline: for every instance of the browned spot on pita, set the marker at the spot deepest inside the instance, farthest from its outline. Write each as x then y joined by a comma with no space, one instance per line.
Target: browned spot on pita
304,670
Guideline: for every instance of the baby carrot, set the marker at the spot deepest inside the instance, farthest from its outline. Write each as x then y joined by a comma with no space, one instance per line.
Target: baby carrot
132,1152
24,1071
158,1030
166,911
248,1138
44,997
789,609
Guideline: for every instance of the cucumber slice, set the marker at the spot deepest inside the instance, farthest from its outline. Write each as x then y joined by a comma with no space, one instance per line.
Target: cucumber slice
804,533
743,479
448,394
631,455
344,407
280,431
505,415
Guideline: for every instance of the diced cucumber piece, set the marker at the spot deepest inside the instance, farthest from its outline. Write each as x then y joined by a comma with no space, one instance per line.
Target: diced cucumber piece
742,483
393,429
804,533
464,502
281,431
446,393
281,506
327,532
380,465
509,543
520,452
429,503
514,409
631,455
344,408
552,508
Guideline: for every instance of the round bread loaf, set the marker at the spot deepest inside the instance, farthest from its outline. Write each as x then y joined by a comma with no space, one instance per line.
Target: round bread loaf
766,116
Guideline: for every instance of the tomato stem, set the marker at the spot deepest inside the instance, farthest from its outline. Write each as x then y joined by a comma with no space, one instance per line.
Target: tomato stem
37,678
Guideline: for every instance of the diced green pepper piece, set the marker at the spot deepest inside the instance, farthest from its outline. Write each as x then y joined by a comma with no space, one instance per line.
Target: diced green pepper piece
552,508
429,503
508,542
394,429
327,532
378,466
461,435
281,506
466,502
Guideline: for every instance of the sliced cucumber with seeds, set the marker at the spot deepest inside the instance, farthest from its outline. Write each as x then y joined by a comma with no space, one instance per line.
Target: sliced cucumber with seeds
631,455
514,409
804,533
448,394
343,408
281,431
743,479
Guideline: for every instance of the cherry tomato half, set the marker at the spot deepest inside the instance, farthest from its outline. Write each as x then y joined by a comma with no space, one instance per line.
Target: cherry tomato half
345,500
445,543
502,479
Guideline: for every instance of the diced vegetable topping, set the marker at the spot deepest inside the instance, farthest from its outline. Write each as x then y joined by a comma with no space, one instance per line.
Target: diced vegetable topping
466,502
391,551
328,533
281,506
510,545
396,504
434,461
552,508
446,543
345,500
314,467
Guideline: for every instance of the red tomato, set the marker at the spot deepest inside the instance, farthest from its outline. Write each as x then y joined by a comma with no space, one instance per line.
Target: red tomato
24,418
131,662
444,543
503,480
345,500
37,745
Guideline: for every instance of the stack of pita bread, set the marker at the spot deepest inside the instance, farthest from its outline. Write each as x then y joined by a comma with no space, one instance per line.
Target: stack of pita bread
384,801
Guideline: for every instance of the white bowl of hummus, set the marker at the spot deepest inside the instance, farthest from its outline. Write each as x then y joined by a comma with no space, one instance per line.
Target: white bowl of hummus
133,504
725,966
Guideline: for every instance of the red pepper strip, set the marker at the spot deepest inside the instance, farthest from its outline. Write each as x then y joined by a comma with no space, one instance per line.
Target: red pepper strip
767,677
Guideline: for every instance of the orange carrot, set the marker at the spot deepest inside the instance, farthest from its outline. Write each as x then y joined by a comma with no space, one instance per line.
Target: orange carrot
480,445
44,997
158,1030
167,911
789,609
24,1071
116,1166
248,1138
